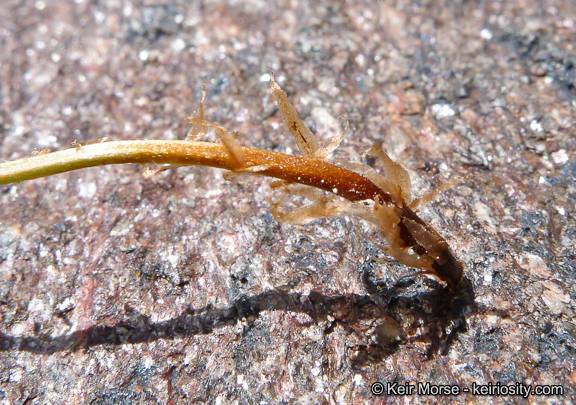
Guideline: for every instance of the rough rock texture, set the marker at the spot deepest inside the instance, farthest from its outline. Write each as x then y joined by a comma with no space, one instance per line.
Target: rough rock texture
183,288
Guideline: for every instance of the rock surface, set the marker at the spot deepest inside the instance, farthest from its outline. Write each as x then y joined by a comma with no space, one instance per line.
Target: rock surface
183,289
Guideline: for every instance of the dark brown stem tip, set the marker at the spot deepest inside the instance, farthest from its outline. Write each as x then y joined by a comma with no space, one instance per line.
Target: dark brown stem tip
448,269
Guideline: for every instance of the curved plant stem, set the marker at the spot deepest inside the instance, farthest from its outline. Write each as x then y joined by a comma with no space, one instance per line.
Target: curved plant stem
294,169
409,239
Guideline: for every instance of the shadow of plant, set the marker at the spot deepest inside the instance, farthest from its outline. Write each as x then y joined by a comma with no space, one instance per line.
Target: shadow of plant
381,321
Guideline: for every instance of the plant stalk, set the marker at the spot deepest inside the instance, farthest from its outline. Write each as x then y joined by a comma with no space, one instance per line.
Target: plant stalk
293,169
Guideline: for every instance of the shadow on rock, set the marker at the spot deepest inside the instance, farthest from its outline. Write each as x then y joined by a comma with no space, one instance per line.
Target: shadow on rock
380,322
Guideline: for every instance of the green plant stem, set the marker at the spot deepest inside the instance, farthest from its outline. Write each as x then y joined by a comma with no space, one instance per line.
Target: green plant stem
294,169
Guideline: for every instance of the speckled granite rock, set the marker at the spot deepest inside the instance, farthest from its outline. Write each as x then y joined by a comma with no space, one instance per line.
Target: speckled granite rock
183,289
